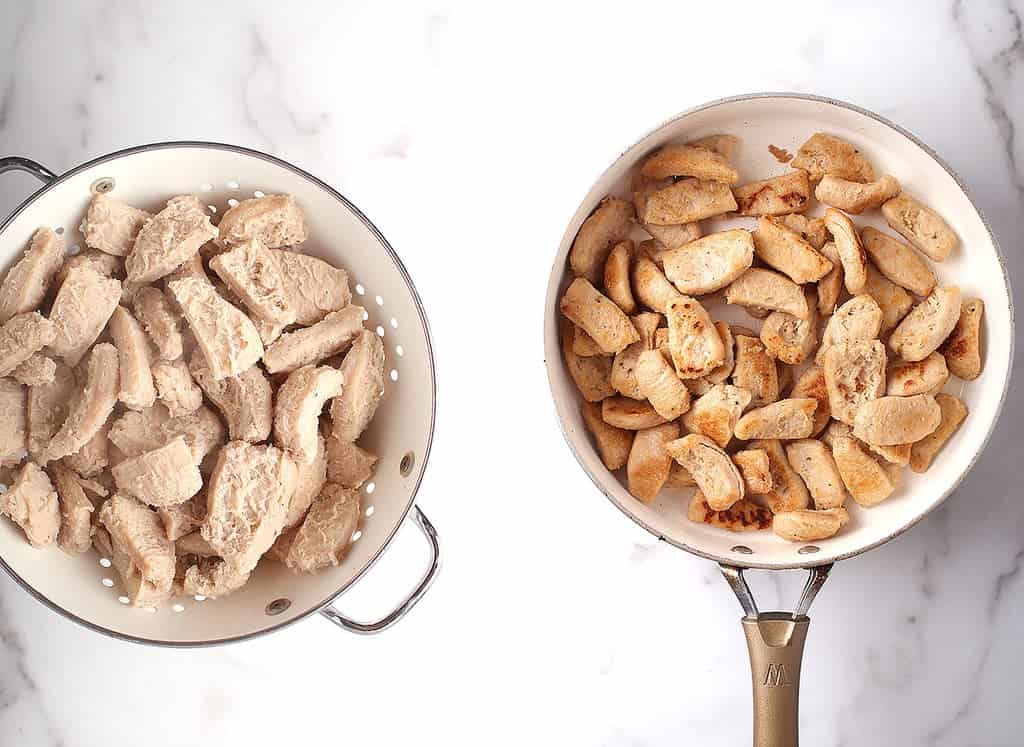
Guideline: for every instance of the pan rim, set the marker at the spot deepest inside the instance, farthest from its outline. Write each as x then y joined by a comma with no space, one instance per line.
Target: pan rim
431,367
741,562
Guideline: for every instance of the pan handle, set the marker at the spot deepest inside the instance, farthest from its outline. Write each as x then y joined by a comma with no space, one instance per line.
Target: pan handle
383,623
18,163
775,642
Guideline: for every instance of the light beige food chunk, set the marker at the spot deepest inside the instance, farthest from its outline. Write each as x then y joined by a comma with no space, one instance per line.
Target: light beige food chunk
332,335
743,516
154,310
312,476
213,578
785,419
175,387
609,224
75,534
192,544
137,389
689,160
892,453
91,407
755,469
650,285
31,503
247,500
893,300
788,338
191,268
709,263
898,262
962,349
592,376
825,154
598,316
850,250
13,424
616,276
21,337
168,239
24,287
755,371
903,379
693,340
673,237
350,466
326,533
788,492
227,338
34,370
274,220
811,383
613,444
142,554
111,226
135,433
779,247
805,525
927,325
252,273
770,290
106,265
678,477
953,414
648,464
316,288
686,201
831,286
811,230
363,369
659,384
181,519
584,345
630,414
715,413
162,477
858,319
921,226
722,144
813,461
867,481
48,406
81,310
723,371
890,421
94,457
854,374
245,401
712,469
855,197
788,193
623,372
297,410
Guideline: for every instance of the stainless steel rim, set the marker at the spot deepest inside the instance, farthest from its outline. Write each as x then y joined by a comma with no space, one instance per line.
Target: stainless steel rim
43,174
739,562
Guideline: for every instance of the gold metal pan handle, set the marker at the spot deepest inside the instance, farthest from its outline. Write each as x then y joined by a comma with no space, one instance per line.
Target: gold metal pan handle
775,642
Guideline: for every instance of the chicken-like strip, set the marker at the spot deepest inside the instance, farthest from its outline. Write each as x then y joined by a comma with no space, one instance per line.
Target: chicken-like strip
716,475
310,480
850,250
273,220
21,337
136,358
349,465
76,528
315,287
35,370
168,239
31,502
921,226
146,561
788,491
892,421
160,319
962,349
363,369
778,246
858,319
660,385
607,225
696,347
81,310
898,262
93,405
855,197
94,457
825,154
709,263
756,371
788,193
786,419
135,433
689,160
111,226
13,426
253,274
649,464
162,477
326,533
106,265
213,578
175,387
686,201
330,336
297,411
893,300
598,316
592,375
180,519
245,401
716,412
927,325
25,285
854,374
227,338
765,289
48,406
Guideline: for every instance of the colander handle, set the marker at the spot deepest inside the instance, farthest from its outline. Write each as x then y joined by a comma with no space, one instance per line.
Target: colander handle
376,626
18,163
775,642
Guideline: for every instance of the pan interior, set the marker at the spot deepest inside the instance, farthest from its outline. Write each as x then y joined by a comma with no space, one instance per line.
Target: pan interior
784,122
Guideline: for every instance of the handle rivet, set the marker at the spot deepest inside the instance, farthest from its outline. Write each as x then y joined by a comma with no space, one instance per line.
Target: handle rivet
808,549
405,466
101,186
278,606
742,550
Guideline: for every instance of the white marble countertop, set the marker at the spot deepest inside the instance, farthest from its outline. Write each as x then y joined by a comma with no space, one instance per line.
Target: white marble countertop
469,134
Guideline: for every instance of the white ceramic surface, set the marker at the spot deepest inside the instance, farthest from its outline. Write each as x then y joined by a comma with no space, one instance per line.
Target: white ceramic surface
785,122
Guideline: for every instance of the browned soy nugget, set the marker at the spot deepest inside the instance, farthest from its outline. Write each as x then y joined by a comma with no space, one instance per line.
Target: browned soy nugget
860,318
811,230
653,290
830,287
709,263
363,372
21,337
891,421
168,239
613,444
616,276
921,226
825,154
811,383
649,464
927,325
904,379
788,491
893,300
623,374
854,374
805,525
687,201
81,310
813,461
953,414
252,273
755,371
693,341
788,193
716,412
689,160
789,339
770,290
273,220
630,414
962,349
785,419
783,249
592,376
660,385
850,250
332,335
297,409
26,283
716,475
866,480
598,316
111,226
855,197
610,223
756,470
898,262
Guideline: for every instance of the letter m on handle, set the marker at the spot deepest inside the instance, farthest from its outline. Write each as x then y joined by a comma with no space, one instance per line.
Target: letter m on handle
775,676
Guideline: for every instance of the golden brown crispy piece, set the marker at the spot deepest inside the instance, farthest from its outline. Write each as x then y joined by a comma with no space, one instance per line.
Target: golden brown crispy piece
854,374
805,525
743,516
898,261
162,477
716,412
850,250
755,469
273,220
111,226
953,414
616,276
769,290
659,384
891,421
613,444
592,376
687,201
921,226
91,407
786,419
363,372
25,285
81,310
13,426
867,481
962,349
168,239
855,197
23,336
584,345
31,503
649,463
779,247
825,154
722,372
331,335
598,316
903,379
788,193
689,160
813,461
693,340
650,285
326,533
709,263
630,414
607,225
788,491
927,325
858,319
623,373
830,287
755,371
893,300
712,469
811,230
252,272
297,409
811,383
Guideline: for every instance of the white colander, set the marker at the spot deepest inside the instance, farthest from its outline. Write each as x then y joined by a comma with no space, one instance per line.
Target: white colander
785,121
85,588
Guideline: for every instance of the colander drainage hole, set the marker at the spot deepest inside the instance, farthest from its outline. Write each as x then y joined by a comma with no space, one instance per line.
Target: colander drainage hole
108,582
199,598
393,323
370,487
278,606
123,600
105,562
380,331
360,290
357,535
405,466
369,511
808,549
232,185
178,607
742,550
399,350
259,193
394,375
232,202
379,300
